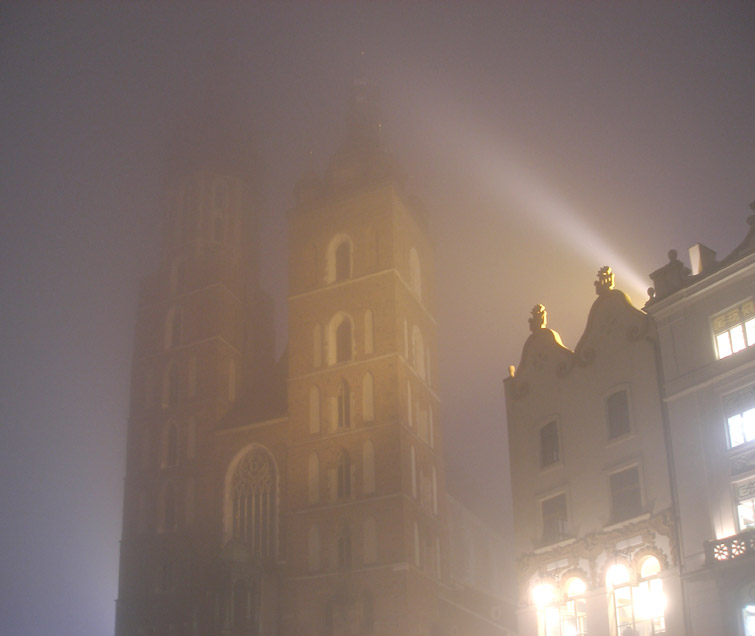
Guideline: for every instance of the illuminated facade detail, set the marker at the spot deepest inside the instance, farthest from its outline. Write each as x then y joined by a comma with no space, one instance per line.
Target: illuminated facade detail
640,606
253,496
579,466
740,417
293,511
734,329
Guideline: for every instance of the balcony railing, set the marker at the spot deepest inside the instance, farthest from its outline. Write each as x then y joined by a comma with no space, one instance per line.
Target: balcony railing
738,546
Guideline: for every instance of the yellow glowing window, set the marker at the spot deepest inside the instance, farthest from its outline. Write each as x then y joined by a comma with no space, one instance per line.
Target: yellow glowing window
745,494
734,329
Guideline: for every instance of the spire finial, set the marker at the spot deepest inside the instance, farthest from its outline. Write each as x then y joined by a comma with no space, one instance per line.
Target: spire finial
605,280
538,318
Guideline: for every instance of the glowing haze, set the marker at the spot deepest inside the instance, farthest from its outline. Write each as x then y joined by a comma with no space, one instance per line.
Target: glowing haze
545,139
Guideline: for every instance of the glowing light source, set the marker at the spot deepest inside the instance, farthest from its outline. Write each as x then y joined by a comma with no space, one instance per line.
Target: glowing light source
617,575
543,594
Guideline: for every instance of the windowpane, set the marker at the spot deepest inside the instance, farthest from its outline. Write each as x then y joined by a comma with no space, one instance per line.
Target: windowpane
724,344
746,514
748,615
741,427
554,519
618,414
549,444
750,332
626,501
737,338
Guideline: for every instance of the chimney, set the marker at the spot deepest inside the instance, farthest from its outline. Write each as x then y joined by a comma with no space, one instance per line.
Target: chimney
701,259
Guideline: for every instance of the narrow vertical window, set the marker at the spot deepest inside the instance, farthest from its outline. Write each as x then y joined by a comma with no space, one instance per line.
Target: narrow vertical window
232,381
317,345
617,407
344,351
344,406
313,495
739,410
368,398
418,351
343,261
314,409
553,511
344,475
191,380
549,451
252,496
191,437
369,345
344,548
368,467
626,499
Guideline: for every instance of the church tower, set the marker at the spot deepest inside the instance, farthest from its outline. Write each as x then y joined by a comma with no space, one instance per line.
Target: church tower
366,523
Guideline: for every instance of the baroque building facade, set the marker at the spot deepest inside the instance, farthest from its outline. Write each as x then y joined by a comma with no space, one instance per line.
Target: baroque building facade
305,496
633,458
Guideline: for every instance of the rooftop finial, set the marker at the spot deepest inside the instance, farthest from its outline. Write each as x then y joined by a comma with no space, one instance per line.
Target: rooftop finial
538,318
605,280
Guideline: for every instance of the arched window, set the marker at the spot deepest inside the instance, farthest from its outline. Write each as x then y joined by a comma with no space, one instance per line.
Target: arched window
344,405
314,409
343,342
317,345
253,505
368,398
173,327
343,261
368,467
369,540
171,385
369,344
340,339
344,475
313,549
418,351
415,277
313,479
344,548
339,259
638,607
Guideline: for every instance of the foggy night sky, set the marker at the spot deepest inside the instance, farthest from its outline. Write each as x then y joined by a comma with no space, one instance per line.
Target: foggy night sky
545,139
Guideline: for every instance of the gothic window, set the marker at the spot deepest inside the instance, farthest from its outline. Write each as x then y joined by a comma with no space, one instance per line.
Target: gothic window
553,516
344,475
317,345
739,411
415,277
617,409
734,329
418,351
368,398
340,340
626,499
253,491
368,467
339,259
369,345
369,540
344,406
549,451
344,548
313,479
173,327
313,549
343,342
314,409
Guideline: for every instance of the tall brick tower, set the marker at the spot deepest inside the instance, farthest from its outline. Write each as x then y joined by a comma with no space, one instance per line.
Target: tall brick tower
366,523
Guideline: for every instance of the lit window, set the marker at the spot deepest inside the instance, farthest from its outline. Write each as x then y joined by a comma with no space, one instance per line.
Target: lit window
554,519
640,608
574,610
626,499
740,416
748,618
617,408
745,494
549,444
735,329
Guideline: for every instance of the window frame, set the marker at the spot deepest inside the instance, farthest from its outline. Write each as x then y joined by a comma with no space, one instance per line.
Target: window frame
614,519
745,320
610,437
556,459
561,533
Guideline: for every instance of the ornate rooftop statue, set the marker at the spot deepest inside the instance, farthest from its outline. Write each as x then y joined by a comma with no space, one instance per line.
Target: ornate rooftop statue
538,318
605,280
